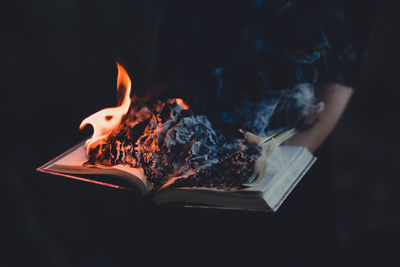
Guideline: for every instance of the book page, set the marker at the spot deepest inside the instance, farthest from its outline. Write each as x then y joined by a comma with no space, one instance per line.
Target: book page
73,161
76,158
281,160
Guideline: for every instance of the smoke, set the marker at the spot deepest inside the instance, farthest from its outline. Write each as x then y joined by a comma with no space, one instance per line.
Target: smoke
218,72
283,109
295,104
244,64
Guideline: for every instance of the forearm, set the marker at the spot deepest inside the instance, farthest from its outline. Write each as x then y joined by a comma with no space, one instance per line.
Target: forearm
335,98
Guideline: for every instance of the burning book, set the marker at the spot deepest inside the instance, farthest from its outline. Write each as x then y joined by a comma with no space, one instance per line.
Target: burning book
163,150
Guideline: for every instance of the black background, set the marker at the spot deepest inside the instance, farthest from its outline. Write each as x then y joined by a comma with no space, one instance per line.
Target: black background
59,67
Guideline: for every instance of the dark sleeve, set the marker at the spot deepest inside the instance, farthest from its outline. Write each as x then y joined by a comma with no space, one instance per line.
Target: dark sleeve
348,26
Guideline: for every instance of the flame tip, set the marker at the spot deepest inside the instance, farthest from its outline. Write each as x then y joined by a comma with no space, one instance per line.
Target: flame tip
106,120
182,103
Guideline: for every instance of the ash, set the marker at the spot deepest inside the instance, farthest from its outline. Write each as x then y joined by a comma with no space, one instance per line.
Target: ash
176,148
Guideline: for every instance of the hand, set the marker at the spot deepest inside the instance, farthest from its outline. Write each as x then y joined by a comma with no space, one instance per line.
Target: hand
334,98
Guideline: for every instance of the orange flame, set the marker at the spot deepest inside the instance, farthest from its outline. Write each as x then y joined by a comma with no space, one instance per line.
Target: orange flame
106,120
181,103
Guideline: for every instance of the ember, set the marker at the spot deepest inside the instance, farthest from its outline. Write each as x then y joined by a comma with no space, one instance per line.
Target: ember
172,145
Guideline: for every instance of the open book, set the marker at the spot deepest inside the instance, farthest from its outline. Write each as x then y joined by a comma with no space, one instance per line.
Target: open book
266,193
